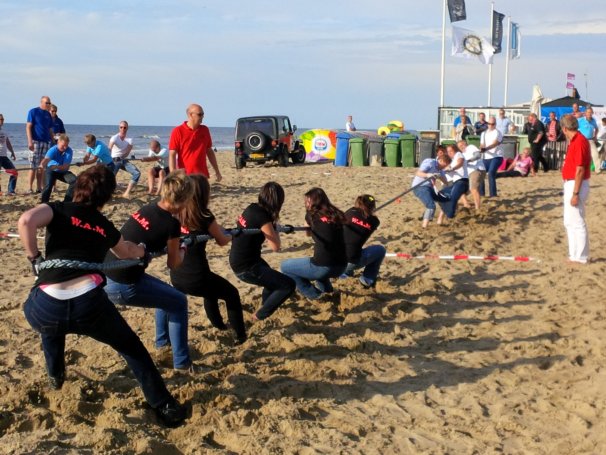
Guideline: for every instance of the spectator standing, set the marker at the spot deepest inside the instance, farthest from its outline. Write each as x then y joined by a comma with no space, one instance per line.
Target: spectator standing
39,131
503,123
58,127
462,114
576,173
553,129
349,125
191,144
481,125
463,129
5,163
537,138
588,127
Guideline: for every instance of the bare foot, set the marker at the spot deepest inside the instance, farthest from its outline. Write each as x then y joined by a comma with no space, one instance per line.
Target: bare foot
126,195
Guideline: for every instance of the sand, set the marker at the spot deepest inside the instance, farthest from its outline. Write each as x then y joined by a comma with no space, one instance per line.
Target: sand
464,357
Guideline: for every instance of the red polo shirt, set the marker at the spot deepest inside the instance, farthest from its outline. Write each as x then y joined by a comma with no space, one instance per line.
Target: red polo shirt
578,154
191,146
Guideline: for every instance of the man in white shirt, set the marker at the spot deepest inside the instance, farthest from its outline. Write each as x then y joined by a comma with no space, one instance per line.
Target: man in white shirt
490,145
349,126
120,147
503,123
475,170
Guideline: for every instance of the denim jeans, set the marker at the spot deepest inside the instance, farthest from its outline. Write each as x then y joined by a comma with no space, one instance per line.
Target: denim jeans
8,165
91,314
455,192
277,287
50,177
428,197
303,271
171,311
371,259
126,165
492,167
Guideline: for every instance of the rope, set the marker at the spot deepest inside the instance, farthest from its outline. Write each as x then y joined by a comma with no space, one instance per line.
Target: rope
80,265
191,240
462,257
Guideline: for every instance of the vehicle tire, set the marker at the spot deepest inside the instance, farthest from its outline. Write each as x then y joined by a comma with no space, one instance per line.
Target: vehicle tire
255,141
298,156
240,162
283,157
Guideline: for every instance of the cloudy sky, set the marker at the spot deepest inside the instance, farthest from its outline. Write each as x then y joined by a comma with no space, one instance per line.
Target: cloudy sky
317,61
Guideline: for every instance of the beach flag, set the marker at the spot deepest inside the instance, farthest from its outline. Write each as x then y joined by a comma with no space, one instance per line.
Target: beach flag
456,10
516,40
497,31
468,44
569,84
570,77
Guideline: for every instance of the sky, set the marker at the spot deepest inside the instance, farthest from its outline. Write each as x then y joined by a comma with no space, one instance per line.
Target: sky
316,61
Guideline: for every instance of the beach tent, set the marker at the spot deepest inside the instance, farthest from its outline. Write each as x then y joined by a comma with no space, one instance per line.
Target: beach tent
562,106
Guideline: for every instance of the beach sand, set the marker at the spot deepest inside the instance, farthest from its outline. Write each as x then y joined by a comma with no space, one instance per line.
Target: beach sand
464,357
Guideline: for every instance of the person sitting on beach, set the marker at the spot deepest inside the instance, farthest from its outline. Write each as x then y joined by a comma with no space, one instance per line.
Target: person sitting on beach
360,224
194,276
329,259
120,147
5,163
68,300
521,166
245,255
159,172
475,171
56,165
423,184
97,152
456,173
156,226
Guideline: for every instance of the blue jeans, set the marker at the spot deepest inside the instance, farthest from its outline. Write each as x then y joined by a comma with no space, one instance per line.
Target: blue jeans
459,188
303,271
50,177
127,166
91,314
171,311
492,167
277,287
12,180
371,259
428,197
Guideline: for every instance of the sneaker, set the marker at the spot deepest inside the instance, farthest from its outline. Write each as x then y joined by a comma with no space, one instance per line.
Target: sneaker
366,282
11,193
192,368
56,382
171,414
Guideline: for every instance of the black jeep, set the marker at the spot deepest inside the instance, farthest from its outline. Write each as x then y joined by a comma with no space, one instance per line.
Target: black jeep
267,138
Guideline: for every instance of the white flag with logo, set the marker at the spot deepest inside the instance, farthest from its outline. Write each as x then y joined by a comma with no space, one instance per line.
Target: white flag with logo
468,44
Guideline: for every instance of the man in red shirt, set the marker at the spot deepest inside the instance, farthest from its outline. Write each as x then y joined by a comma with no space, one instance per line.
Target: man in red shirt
576,172
190,144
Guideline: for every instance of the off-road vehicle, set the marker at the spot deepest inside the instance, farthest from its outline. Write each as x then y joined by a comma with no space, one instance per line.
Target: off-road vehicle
267,138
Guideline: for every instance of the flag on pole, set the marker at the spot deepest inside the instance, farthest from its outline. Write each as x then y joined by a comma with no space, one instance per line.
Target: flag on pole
570,77
569,85
456,10
468,44
497,31
516,40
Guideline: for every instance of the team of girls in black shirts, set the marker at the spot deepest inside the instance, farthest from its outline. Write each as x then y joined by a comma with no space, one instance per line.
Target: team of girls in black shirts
67,300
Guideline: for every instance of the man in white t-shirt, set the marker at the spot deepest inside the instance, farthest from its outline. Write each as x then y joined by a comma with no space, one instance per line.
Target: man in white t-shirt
490,145
475,170
120,146
160,171
349,126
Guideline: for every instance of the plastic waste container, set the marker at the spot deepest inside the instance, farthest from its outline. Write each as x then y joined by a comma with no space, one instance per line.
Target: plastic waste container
342,150
357,151
375,150
523,142
408,144
427,149
392,153
474,140
509,147
446,142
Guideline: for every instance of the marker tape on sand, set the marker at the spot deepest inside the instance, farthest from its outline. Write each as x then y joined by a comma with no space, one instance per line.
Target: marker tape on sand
11,235
462,257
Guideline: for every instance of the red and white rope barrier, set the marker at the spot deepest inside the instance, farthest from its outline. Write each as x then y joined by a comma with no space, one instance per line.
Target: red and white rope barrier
461,257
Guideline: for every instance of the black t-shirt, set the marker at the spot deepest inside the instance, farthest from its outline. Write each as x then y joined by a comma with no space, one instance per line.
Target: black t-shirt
329,246
154,227
534,130
356,232
79,232
246,249
195,264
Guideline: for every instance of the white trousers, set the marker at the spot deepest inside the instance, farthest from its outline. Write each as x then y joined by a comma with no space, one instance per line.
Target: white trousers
595,156
574,222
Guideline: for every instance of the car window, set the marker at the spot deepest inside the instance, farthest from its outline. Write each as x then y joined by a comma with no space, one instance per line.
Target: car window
265,126
286,125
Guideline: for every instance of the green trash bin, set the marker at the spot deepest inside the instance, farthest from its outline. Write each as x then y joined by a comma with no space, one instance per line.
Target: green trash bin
523,142
357,151
446,142
392,153
474,140
408,144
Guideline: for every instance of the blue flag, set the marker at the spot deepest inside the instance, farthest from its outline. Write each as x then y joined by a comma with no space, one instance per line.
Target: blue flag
516,39
456,10
497,31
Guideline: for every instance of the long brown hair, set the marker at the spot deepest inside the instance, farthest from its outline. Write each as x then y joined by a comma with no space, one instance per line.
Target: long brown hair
366,203
95,186
271,198
320,205
197,208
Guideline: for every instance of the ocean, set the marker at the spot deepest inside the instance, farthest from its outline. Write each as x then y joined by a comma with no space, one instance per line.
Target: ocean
223,138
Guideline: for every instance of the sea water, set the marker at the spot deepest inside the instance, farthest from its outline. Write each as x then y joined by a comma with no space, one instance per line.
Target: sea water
223,138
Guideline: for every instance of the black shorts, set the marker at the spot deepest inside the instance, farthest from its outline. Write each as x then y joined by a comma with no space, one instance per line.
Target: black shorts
156,171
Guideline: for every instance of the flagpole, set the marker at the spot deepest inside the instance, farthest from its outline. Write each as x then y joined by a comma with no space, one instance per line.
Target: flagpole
443,54
507,60
490,64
